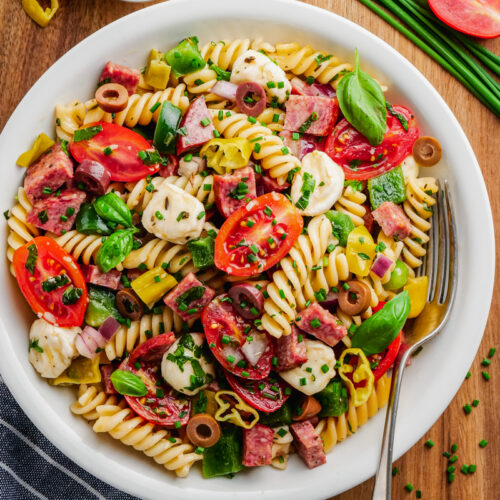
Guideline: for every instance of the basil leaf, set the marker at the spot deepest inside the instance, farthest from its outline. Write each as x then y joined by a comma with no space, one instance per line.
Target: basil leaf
115,248
399,116
377,332
128,383
31,260
363,104
55,282
221,74
84,134
194,293
112,208
71,295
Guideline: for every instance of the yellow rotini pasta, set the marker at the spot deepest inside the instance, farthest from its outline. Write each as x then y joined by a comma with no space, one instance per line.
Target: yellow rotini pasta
89,398
351,203
68,119
281,448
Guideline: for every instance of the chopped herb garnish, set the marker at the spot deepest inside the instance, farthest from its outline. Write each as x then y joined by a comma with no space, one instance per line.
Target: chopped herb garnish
84,134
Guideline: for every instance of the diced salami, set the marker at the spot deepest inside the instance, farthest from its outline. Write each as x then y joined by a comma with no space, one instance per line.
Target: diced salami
322,324
290,350
306,143
50,172
116,73
392,220
196,125
257,445
312,114
308,444
106,371
189,297
171,167
94,275
266,184
232,191
368,219
57,213
300,87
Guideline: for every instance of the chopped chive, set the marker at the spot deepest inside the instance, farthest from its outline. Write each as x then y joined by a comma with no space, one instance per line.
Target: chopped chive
485,375
453,459
464,469
429,443
491,352
483,443
468,375
454,448
450,469
467,409
486,362
205,122
475,402
409,487
395,470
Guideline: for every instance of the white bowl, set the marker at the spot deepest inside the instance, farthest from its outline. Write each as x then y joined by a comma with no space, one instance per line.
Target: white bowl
435,375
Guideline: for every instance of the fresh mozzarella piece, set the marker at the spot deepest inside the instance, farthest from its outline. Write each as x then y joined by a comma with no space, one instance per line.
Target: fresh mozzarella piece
173,215
410,168
253,66
254,349
328,183
52,348
311,382
183,363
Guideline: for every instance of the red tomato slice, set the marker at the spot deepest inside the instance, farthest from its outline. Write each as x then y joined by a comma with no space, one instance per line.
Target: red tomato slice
219,319
264,395
161,405
123,163
244,247
359,159
51,260
479,18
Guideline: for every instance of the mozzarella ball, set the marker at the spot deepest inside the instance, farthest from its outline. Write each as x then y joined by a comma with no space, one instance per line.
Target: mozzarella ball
410,168
253,66
173,215
311,382
329,183
52,348
185,367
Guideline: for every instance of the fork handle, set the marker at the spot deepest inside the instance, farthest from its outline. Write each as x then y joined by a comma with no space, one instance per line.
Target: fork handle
383,477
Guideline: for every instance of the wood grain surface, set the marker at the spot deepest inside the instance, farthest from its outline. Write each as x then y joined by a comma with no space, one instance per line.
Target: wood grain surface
26,51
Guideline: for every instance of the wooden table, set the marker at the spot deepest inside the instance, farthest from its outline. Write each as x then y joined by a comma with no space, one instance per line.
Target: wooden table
27,51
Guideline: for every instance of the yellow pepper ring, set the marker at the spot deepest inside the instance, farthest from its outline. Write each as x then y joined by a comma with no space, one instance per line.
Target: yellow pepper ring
227,153
38,14
233,415
42,143
362,372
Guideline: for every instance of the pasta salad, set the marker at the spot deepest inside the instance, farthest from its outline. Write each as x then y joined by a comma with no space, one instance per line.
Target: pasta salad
222,249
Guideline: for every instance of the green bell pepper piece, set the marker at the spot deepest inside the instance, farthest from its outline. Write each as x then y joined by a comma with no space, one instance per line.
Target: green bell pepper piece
282,416
115,248
89,222
342,225
185,58
112,208
102,304
166,128
399,276
334,399
202,252
224,457
387,187
377,332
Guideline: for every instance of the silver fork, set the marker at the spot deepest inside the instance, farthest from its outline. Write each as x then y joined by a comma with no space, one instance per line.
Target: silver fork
441,267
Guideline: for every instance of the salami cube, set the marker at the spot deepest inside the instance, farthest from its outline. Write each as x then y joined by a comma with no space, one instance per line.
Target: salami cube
48,174
368,219
311,114
196,127
301,144
106,371
322,324
266,184
232,191
57,213
92,274
257,446
392,220
308,444
300,87
189,297
290,350
116,73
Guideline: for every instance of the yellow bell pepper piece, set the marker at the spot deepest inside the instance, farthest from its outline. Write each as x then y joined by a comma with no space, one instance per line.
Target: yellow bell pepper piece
153,285
81,371
229,411
360,372
38,14
157,71
360,251
417,289
42,143
227,153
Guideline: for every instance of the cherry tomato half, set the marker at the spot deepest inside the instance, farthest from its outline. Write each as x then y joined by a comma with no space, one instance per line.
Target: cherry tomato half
123,163
220,322
258,235
48,259
161,405
359,159
264,395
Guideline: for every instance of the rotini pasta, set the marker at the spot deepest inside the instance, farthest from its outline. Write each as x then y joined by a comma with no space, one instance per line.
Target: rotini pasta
89,398
281,447
351,203
68,119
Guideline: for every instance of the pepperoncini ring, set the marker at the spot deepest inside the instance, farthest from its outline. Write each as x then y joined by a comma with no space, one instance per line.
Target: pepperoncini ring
81,371
157,72
229,411
361,372
227,153
360,251
152,285
38,14
42,143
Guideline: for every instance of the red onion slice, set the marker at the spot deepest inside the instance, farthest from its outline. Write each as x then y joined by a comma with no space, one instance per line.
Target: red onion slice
331,302
226,90
381,265
90,340
109,328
